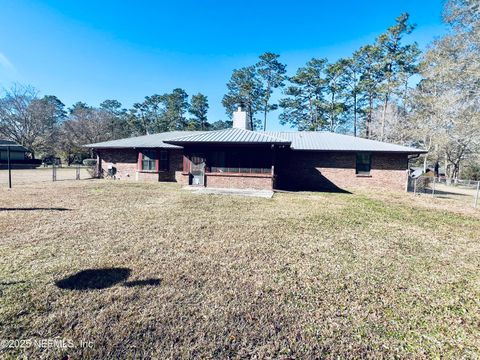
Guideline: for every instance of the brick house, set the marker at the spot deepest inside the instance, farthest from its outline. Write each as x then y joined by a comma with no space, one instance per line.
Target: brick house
241,158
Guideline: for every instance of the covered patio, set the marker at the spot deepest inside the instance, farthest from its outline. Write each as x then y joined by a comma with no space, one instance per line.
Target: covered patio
233,158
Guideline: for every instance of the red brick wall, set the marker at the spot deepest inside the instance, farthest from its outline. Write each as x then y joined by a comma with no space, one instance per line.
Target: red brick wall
295,170
238,181
126,162
308,170
181,177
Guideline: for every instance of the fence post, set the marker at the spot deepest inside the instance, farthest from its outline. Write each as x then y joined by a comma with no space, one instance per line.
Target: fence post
415,186
433,187
476,195
54,172
9,166
407,181
77,173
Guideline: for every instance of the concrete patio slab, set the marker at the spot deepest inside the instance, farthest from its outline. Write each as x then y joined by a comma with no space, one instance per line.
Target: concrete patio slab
267,194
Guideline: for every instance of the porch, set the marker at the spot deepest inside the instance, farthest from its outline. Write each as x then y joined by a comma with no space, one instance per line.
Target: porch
221,166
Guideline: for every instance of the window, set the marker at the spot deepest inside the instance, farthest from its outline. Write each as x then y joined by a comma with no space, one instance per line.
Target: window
163,166
363,164
149,160
154,160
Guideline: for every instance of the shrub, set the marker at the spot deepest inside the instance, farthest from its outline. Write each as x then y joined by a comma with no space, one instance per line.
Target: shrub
471,172
90,162
91,167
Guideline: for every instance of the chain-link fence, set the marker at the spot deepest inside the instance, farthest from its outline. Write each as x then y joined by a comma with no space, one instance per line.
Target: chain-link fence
462,191
45,174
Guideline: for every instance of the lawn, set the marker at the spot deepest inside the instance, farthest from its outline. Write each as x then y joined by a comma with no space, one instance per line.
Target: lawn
123,270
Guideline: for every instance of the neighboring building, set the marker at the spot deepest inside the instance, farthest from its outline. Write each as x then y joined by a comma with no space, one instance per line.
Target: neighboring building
19,156
241,158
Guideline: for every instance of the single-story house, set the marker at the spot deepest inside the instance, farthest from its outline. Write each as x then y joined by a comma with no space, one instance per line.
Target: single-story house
19,156
241,158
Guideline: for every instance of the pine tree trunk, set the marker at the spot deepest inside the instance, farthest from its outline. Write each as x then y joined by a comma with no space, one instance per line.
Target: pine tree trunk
312,116
265,118
251,117
369,117
384,113
355,115
332,116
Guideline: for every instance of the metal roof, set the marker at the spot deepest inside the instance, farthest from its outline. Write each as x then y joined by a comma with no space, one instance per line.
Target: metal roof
13,146
298,140
145,141
328,141
229,136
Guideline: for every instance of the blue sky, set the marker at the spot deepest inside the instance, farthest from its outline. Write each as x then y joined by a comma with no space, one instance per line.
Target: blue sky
93,50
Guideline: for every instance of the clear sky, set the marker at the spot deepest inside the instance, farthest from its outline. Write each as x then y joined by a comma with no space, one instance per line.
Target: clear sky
95,50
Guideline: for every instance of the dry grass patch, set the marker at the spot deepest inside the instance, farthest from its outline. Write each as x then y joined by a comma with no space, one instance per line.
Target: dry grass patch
300,275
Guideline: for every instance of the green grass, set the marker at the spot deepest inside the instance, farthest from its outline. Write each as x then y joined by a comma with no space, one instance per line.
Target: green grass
298,276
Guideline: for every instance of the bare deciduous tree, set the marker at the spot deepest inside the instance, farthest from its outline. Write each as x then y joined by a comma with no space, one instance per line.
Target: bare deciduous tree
29,120
448,97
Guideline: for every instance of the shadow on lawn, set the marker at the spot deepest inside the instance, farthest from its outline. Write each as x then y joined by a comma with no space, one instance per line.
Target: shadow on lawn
95,279
35,209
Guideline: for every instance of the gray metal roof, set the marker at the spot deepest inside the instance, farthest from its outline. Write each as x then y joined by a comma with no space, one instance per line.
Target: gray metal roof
328,141
298,140
145,141
13,146
230,136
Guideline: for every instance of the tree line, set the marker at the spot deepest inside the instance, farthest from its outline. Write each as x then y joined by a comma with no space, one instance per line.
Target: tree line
47,128
342,96
387,90
444,113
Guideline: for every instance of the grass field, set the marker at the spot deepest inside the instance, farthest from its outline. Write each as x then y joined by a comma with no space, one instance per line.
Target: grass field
162,273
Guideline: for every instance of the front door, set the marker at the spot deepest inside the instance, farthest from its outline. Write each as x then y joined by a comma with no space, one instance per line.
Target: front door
198,169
